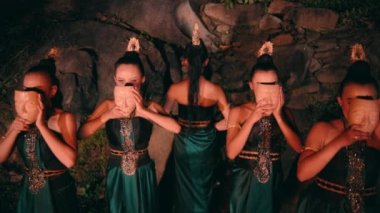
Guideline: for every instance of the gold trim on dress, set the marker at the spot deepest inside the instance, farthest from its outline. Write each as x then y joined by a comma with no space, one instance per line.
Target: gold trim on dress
193,124
121,152
340,189
253,155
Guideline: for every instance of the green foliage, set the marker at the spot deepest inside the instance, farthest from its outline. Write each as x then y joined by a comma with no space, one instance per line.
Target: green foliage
352,12
90,172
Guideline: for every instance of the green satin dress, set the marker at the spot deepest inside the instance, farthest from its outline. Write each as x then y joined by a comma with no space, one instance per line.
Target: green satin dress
322,197
55,193
195,158
256,172
127,192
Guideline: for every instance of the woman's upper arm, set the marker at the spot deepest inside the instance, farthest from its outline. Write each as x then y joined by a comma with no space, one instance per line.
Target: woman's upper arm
170,100
315,139
99,110
222,102
233,125
67,126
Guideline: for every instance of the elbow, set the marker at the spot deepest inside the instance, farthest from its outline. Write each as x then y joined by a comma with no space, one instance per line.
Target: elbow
82,134
301,174
71,162
177,129
230,155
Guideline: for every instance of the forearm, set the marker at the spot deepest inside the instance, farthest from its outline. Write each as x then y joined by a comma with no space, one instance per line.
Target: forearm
7,143
91,126
310,165
164,121
66,154
291,137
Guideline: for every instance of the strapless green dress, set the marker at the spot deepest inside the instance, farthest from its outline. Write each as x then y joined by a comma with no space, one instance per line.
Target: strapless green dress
195,157
47,185
131,178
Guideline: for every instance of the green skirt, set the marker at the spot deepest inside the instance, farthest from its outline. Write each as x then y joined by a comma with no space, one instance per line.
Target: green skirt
319,200
195,157
135,194
58,196
249,195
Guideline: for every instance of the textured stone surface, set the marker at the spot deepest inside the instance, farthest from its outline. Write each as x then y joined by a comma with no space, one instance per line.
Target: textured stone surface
283,39
240,14
281,6
316,18
269,22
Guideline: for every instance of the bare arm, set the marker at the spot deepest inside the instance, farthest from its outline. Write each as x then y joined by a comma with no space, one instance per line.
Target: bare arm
152,113
65,150
290,135
224,108
237,137
7,142
170,100
99,117
317,155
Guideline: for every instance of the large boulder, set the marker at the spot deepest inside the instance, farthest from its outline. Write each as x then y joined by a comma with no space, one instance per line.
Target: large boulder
316,19
239,15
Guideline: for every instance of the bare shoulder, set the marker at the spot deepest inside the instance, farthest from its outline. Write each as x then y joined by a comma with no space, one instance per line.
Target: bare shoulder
241,112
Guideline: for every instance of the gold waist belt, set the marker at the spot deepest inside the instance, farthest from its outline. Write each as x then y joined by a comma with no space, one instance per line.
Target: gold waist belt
121,153
193,124
45,173
253,155
340,189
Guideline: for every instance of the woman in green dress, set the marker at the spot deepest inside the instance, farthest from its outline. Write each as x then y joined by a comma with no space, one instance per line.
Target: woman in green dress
48,147
131,178
343,160
255,134
194,148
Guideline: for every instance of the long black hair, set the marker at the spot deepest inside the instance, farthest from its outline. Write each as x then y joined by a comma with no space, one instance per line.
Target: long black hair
197,56
358,73
47,67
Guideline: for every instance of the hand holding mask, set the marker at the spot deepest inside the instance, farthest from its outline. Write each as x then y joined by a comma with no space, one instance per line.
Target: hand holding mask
364,113
26,105
124,99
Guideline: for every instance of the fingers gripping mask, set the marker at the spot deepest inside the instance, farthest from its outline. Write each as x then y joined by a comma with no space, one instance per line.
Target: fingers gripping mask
123,97
26,103
267,93
365,113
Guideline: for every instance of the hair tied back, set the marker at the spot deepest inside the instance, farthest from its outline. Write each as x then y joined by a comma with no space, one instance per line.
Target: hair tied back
133,45
266,48
53,53
357,53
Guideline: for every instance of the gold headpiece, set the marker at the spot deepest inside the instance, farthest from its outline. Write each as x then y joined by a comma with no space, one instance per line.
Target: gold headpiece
53,53
133,45
357,53
195,39
266,48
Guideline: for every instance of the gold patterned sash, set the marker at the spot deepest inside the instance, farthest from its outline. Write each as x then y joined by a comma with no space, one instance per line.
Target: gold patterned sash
193,124
254,155
342,190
